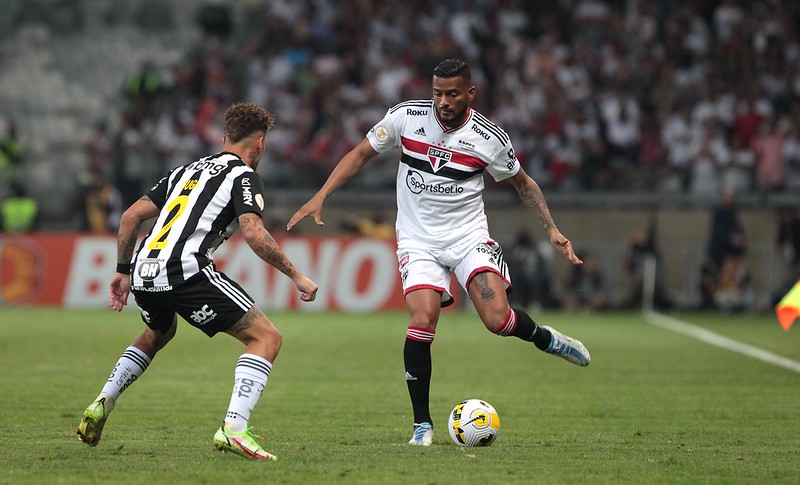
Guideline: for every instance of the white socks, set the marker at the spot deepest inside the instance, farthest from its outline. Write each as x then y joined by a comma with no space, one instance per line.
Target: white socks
130,366
250,378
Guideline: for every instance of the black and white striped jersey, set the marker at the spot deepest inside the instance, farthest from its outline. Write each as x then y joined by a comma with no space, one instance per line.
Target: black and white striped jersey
200,203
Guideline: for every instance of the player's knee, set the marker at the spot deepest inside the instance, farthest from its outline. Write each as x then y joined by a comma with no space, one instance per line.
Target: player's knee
495,321
424,320
271,335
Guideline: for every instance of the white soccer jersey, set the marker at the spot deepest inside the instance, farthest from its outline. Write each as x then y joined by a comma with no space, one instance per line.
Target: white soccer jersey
440,175
200,203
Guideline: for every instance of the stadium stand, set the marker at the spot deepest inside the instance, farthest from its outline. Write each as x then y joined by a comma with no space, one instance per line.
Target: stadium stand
622,105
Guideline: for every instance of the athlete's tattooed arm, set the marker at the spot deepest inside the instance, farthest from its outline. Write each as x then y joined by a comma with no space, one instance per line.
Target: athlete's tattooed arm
531,195
140,211
265,246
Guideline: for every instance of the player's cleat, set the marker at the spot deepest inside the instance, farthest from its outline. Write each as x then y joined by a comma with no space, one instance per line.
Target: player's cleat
94,418
243,444
568,348
423,434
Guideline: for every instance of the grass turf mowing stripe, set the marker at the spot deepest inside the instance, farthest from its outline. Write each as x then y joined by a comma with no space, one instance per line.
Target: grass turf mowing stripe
717,340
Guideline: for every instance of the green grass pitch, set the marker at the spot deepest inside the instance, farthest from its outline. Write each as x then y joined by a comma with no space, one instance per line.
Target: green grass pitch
654,407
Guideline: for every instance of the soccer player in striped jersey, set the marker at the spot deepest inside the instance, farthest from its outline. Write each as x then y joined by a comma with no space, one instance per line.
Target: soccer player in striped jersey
196,207
446,146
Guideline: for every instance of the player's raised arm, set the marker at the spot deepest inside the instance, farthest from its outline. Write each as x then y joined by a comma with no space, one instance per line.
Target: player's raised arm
533,198
348,166
264,245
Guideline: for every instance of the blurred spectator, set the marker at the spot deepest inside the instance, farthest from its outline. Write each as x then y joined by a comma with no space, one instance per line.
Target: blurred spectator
791,157
707,154
737,172
586,287
20,212
732,290
100,149
642,248
788,248
11,154
788,240
723,276
531,274
768,147
215,18
142,89
102,205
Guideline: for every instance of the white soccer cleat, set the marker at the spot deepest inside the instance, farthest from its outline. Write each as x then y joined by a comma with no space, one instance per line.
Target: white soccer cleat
568,348
423,434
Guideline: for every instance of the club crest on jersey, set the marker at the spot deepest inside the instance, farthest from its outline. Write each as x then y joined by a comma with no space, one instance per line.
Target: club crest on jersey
438,157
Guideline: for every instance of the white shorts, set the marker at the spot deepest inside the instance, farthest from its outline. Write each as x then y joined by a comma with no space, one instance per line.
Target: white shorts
425,268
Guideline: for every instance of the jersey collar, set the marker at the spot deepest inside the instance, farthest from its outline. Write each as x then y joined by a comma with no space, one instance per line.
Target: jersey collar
448,129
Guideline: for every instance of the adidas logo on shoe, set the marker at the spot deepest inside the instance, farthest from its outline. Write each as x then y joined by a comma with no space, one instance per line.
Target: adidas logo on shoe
420,131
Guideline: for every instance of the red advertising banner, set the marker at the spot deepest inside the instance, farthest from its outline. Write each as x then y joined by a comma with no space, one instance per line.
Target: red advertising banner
69,270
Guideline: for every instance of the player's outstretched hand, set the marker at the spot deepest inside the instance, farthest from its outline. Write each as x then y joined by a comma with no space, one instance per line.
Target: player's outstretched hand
308,289
312,208
118,291
565,246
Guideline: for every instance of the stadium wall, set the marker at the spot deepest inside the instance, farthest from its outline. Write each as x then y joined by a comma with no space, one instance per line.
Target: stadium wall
357,274
72,271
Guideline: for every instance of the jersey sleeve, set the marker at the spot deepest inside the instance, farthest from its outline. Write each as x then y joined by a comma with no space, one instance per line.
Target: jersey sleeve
158,192
386,134
247,194
504,164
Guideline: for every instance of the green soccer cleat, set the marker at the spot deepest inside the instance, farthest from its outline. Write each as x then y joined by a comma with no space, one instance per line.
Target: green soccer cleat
243,444
94,418
568,348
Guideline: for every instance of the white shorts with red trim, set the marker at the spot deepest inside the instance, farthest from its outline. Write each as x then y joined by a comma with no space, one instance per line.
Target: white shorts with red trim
427,268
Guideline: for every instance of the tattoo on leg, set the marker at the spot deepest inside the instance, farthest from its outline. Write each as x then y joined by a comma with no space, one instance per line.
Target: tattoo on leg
483,283
246,321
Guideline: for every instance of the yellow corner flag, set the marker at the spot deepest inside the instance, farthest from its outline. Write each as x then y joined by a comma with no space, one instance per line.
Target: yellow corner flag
788,309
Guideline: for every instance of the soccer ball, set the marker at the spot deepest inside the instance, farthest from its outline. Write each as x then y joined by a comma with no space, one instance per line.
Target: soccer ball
473,423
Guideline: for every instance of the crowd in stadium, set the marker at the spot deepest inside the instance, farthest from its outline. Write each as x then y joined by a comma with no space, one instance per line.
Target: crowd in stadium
689,97
680,97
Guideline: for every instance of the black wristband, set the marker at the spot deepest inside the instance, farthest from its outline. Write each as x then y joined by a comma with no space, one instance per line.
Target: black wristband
124,268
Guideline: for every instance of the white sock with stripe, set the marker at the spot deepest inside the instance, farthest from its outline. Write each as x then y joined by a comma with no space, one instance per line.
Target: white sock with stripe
250,378
131,364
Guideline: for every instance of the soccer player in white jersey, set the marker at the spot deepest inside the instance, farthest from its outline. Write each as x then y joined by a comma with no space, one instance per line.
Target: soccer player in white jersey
441,226
196,207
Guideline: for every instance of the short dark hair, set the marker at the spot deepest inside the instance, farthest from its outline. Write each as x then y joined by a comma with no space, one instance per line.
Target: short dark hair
243,119
452,68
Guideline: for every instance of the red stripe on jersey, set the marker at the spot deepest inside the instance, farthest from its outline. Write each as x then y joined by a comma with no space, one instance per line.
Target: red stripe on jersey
421,148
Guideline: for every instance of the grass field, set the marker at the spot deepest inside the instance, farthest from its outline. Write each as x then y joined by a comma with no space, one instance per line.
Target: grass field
654,407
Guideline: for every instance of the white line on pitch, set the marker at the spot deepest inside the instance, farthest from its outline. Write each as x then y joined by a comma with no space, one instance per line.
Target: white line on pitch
712,338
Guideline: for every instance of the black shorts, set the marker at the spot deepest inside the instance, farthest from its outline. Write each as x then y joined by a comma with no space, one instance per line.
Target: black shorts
208,300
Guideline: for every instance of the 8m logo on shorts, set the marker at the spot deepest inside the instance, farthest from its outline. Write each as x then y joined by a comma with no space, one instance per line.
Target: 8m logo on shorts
203,315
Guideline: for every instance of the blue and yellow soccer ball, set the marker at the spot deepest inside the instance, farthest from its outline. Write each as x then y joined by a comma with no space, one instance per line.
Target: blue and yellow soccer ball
474,423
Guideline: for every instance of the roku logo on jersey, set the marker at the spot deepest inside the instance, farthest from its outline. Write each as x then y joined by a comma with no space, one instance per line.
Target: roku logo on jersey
416,184
482,133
